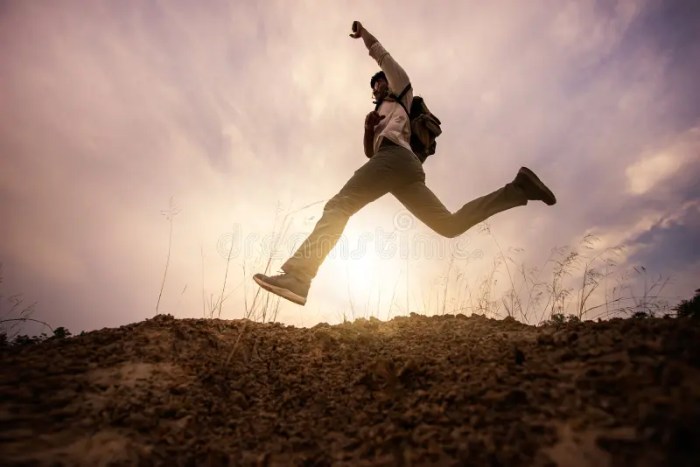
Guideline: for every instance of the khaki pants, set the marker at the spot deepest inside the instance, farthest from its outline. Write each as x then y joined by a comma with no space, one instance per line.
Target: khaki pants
394,170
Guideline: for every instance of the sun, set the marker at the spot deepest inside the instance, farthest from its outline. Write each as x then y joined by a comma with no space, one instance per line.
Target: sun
362,278
362,274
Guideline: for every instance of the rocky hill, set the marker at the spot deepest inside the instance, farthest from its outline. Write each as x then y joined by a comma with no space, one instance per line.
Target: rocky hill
447,390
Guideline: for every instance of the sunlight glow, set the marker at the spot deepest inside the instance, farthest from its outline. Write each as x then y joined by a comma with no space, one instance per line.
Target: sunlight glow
360,277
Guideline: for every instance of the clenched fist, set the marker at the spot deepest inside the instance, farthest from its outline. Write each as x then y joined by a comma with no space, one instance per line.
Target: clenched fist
372,119
356,29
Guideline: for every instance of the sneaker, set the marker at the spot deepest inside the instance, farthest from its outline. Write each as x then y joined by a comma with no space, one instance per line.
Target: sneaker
284,285
533,187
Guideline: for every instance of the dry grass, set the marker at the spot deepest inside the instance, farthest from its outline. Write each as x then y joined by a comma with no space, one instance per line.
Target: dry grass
582,281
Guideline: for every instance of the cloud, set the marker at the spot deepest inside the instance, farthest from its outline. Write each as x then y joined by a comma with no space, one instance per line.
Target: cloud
671,242
241,107
644,174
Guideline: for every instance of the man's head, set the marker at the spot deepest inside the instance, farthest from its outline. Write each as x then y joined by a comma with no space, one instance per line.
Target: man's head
380,86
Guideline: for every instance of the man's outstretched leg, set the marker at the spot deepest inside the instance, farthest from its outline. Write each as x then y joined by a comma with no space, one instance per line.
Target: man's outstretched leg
301,268
388,169
423,203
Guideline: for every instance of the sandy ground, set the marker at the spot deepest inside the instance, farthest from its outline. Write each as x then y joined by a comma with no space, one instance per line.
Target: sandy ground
449,390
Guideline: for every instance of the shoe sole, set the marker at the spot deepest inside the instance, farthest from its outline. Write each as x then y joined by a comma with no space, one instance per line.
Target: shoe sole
549,198
281,291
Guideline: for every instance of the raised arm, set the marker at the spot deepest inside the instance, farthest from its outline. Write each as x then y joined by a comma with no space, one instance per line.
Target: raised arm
395,74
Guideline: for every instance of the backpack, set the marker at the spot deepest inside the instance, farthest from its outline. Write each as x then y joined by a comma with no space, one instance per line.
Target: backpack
425,126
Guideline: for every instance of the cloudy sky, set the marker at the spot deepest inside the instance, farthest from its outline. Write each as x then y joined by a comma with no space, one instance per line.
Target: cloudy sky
247,116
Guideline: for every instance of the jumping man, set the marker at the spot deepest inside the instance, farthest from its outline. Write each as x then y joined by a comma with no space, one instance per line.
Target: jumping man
392,168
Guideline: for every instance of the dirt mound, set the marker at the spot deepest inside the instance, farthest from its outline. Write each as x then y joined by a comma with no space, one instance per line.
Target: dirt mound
445,390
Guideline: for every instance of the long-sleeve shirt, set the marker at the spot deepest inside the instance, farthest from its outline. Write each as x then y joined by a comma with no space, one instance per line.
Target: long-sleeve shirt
395,125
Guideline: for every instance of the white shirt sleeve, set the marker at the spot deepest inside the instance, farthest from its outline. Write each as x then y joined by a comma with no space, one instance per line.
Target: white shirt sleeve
395,75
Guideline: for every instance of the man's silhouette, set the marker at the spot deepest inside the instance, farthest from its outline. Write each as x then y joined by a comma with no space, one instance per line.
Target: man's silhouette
392,168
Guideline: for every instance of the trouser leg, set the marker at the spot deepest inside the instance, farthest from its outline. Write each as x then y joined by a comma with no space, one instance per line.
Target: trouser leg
423,204
387,170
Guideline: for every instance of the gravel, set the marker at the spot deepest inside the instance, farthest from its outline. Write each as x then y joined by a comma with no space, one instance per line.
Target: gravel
441,390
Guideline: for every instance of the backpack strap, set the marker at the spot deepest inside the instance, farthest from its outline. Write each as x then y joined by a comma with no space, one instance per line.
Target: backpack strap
403,93
398,99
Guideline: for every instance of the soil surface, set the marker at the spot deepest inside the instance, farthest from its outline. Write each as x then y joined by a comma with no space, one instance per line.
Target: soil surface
444,390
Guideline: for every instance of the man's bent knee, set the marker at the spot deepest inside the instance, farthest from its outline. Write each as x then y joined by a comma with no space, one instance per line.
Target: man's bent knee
448,231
